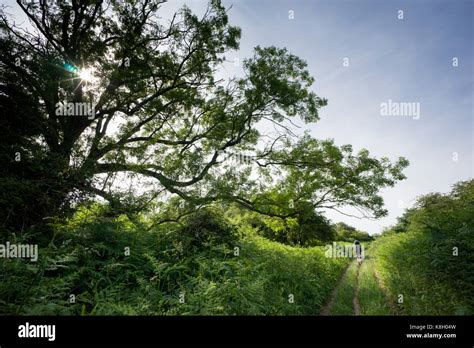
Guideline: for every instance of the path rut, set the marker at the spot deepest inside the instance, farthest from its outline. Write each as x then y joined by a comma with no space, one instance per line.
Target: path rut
326,310
355,301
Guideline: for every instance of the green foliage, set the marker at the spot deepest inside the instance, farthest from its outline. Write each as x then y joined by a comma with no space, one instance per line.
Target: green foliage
421,262
205,228
346,233
87,258
306,229
175,124
343,303
326,176
371,297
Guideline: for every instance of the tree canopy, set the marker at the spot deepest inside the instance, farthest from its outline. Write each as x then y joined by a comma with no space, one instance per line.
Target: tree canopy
161,117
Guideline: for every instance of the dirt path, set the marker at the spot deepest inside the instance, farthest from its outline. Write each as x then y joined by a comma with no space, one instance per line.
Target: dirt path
359,291
326,310
356,292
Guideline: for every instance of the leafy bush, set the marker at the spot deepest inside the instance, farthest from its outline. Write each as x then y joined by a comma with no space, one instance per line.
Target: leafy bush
346,233
431,262
307,229
206,227
160,276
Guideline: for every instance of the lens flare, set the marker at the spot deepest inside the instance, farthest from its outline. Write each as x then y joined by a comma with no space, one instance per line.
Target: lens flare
87,75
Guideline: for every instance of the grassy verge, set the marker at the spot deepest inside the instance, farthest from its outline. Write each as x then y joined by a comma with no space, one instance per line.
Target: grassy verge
371,298
343,303
405,265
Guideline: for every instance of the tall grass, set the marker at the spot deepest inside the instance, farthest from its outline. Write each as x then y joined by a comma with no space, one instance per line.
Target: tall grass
428,257
343,302
405,265
371,297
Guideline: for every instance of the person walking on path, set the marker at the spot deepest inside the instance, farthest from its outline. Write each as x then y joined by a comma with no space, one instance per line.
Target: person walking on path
358,251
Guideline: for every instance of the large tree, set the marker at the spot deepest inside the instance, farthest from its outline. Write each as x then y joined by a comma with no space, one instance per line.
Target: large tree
161,117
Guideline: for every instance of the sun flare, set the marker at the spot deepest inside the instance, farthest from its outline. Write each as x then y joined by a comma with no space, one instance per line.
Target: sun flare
87,75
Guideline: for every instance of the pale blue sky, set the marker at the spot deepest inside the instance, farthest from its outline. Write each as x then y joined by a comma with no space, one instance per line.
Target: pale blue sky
407,60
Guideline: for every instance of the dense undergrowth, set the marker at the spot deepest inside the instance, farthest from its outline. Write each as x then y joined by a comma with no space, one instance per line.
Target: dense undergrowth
98,265
428,257
217,262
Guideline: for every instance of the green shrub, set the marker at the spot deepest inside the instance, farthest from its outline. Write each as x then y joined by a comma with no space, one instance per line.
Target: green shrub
430,257
206,227
307,229
86,259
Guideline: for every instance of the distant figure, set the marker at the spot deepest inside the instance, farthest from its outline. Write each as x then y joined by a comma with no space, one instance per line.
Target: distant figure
358,250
